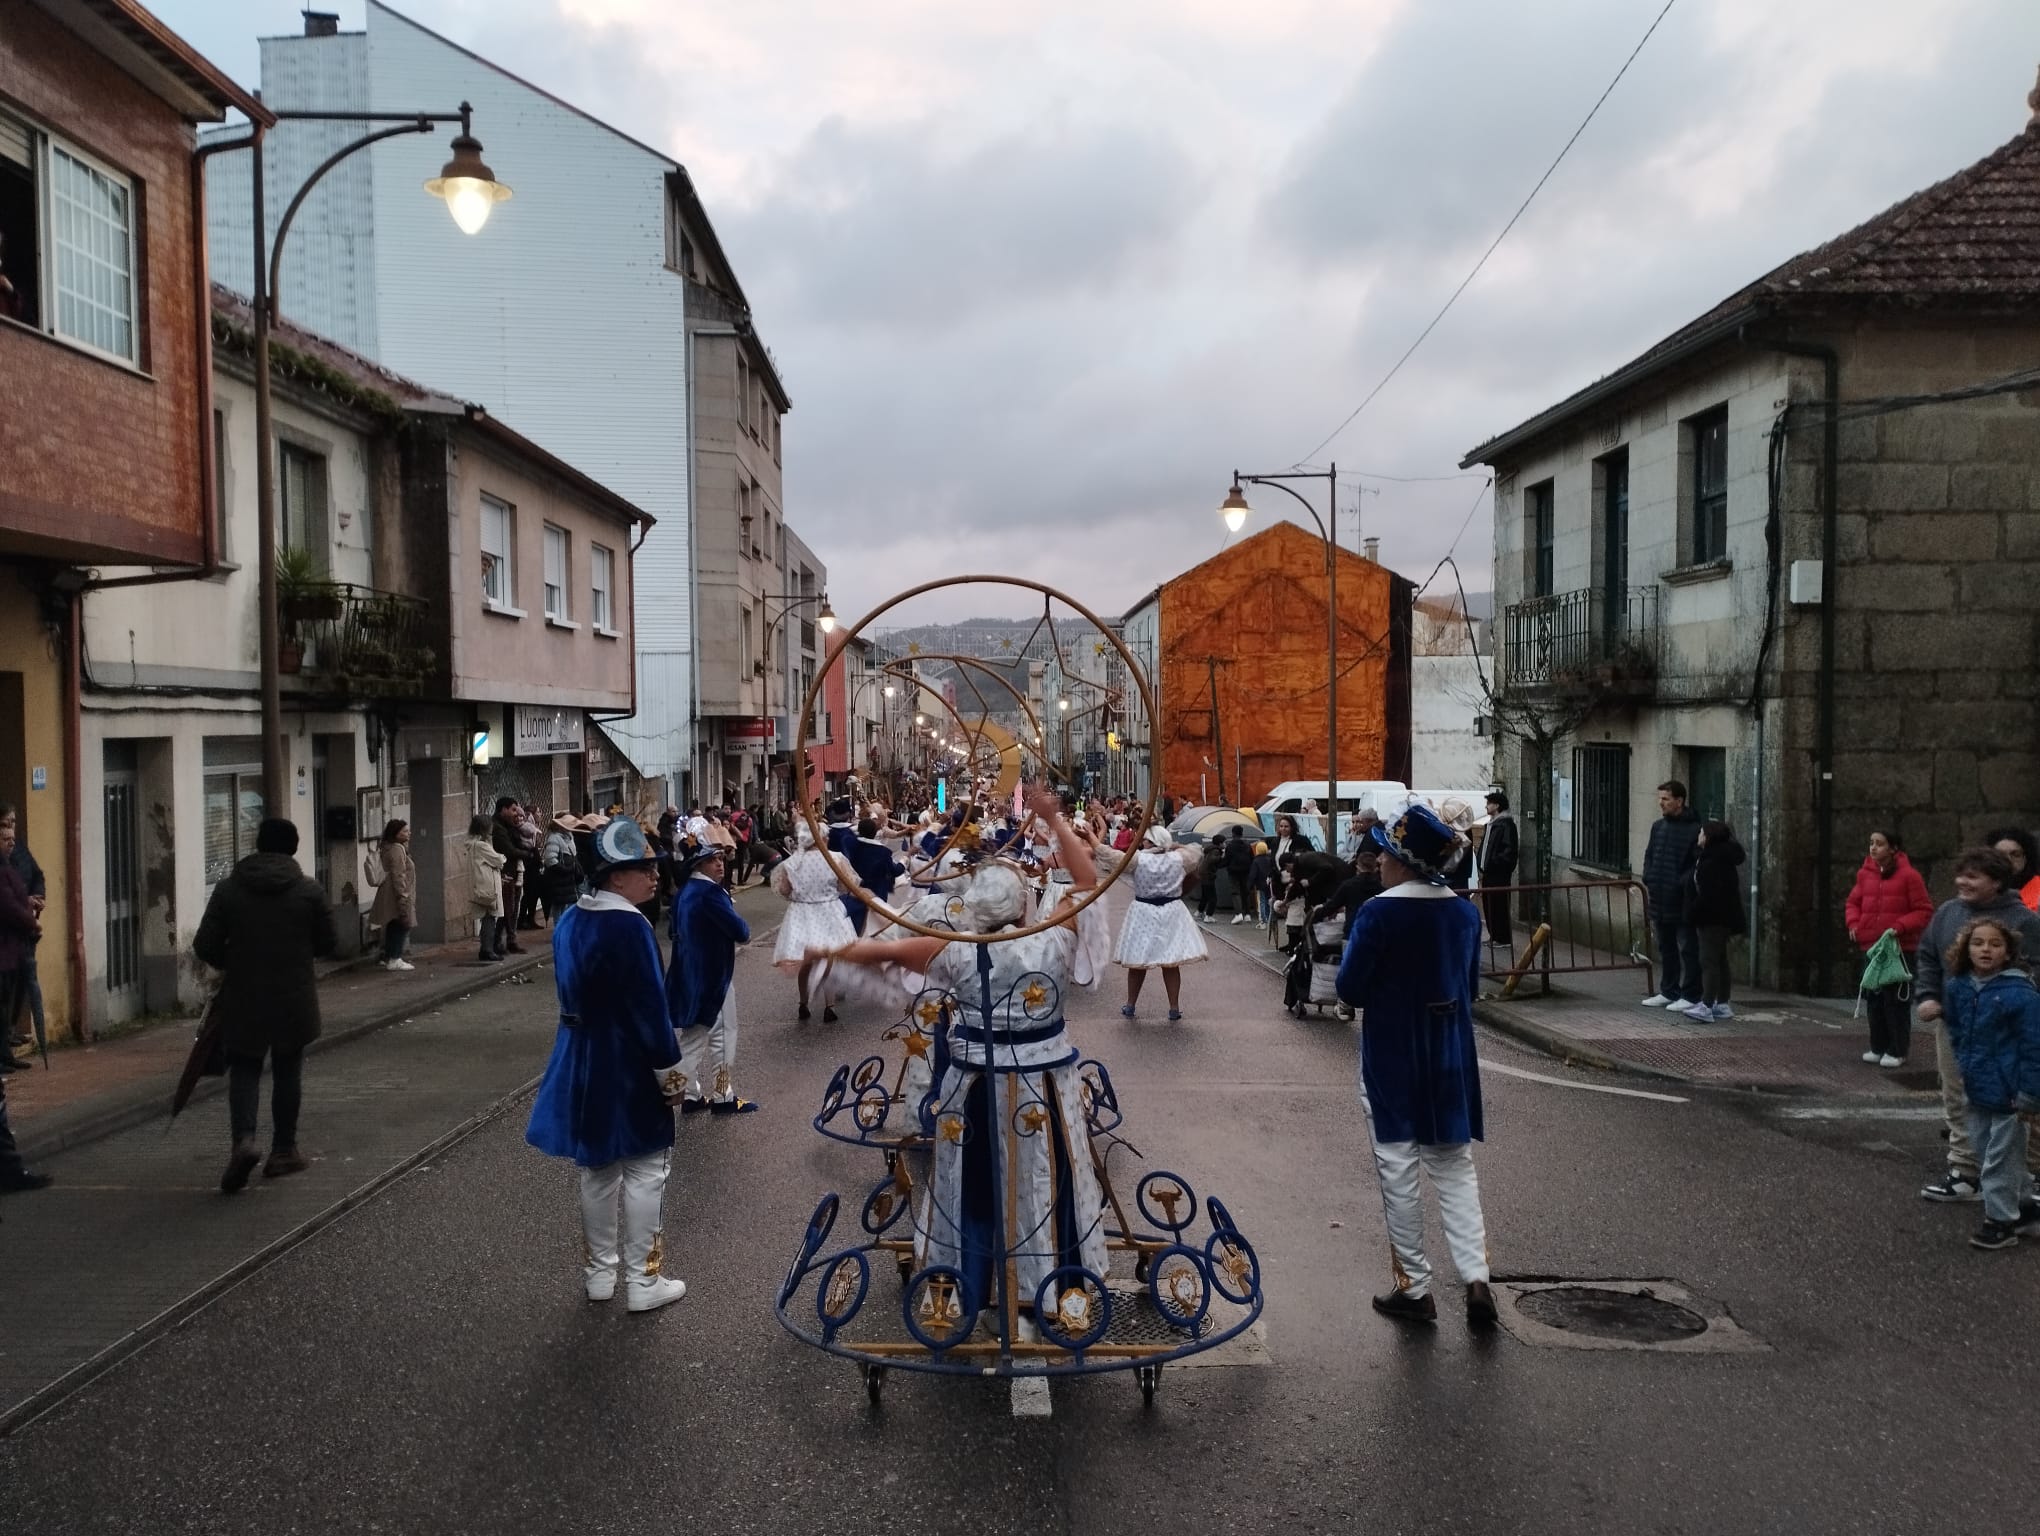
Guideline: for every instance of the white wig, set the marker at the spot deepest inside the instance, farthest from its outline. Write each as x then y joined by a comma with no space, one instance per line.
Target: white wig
803,834
997,898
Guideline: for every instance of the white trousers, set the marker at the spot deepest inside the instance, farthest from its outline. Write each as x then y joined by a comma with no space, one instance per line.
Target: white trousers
1402,1205
641,1184
709,1051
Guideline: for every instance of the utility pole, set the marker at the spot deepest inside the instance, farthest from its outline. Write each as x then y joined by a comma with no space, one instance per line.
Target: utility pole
1217,739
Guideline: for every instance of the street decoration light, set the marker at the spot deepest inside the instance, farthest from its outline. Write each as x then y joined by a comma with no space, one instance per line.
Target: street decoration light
1234,510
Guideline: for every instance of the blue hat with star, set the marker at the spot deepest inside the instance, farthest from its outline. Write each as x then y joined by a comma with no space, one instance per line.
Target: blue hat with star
622,845
1418,839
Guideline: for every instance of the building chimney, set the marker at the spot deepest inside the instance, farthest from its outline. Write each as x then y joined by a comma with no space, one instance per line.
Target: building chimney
1370,549
322,23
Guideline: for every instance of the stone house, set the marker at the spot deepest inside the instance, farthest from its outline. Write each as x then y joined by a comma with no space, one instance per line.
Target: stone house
1788,556
105,345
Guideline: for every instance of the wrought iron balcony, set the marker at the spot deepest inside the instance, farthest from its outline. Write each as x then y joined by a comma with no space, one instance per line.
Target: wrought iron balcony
359,641
1597,640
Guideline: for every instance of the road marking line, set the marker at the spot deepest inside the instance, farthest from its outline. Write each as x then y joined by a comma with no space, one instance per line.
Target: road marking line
1030,1398
1863,1112
1561,1082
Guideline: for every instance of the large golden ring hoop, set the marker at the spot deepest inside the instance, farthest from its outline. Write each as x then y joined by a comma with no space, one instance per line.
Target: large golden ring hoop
813,696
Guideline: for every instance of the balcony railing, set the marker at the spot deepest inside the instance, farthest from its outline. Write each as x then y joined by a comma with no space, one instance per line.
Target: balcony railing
360,641
1596,639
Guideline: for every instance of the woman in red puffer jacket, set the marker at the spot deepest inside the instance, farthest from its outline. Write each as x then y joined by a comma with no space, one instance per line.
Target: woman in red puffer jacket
1889,893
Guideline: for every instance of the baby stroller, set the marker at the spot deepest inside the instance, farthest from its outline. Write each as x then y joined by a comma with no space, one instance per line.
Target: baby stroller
1311,978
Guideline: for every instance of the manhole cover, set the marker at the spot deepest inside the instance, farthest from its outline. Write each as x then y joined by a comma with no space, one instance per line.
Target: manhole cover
1632,1317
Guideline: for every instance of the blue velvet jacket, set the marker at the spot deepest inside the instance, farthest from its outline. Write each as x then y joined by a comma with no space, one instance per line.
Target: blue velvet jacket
603,1096
1994,1029
1412,963
706,933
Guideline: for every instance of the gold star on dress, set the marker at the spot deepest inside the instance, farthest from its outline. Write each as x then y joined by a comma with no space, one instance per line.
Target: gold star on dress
1035,995
929,1013
950,1128
1033,1118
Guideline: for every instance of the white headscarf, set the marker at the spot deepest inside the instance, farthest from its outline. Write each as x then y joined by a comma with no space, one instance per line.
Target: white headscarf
1159,837
997,897
803,834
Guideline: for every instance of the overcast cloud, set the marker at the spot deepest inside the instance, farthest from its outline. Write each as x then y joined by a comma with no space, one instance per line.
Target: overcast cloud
1040,277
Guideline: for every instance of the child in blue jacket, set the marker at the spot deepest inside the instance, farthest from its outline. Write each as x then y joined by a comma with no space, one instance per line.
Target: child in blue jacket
1993,1022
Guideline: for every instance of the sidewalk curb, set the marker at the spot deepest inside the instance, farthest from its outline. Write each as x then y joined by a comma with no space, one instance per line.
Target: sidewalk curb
142,1102
45,1399
1563,1048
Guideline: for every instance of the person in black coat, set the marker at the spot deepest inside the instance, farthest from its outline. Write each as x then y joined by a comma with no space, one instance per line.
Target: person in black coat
1667,867
1239,865
264,926
1713,909
1500,849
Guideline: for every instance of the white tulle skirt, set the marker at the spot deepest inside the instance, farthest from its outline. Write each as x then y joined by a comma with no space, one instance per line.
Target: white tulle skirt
811,925
1158,935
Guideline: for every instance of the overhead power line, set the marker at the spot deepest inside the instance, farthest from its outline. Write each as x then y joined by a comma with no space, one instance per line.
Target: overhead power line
1484,255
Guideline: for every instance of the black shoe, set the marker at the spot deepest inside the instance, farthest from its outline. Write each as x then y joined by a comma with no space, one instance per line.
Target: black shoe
1405,1308
485,958
12,1064
2028,1224
733,1107
693,1106
1481,1313
25,1182
1995,1234
247,1154
828,1015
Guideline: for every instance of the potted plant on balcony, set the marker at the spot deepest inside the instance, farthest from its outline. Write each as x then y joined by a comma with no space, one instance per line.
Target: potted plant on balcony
303,596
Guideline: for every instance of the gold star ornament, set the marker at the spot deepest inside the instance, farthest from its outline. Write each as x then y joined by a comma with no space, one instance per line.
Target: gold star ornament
1035,995
950,1128
917,1045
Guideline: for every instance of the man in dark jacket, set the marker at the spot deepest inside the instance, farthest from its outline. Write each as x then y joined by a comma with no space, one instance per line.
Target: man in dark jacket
1239,863
699,999
18,933
506,836
1499,851
266,923
28,1001
1667,865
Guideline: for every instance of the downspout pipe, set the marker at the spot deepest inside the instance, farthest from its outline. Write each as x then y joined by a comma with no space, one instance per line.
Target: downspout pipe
1824,728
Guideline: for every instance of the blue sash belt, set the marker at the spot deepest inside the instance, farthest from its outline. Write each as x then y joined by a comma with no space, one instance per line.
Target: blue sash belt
1158,901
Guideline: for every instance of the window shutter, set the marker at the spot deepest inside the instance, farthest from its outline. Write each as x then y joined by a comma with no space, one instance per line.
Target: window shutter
14,143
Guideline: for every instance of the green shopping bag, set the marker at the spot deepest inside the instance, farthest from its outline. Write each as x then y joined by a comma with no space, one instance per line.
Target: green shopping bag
1884,966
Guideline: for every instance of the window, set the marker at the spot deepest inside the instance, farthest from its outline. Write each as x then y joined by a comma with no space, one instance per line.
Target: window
1612,473
743,392
1707,443
301,483
1707,782
775,438
601,578
1537,515
744,539
1601,807
499,585
746,661
556,575
764,415
67,243
233,802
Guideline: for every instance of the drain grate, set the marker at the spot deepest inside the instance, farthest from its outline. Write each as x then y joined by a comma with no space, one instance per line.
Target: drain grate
1631,1317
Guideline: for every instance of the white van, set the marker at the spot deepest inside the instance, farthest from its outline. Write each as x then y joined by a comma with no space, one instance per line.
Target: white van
1355,795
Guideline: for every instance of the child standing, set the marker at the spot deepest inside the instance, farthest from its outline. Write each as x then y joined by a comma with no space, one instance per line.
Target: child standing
1714,910
1993,1023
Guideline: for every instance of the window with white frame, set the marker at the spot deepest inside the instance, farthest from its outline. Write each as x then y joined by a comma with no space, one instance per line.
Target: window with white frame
499,587
67,243
556,574
601,580
301,483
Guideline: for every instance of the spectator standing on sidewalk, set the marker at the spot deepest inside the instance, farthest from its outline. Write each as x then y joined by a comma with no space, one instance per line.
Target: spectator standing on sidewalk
1500,848
1211,859
1993,1024
1667,870
1412,966
743,829
2018,845
606,1100
1239,868
506,836
1888,896
264,926
1981,878
395,879
18,932
487,888
1714,911
28,1000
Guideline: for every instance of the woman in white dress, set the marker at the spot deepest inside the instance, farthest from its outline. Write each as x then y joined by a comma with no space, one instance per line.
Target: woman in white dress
1158,931
815,918
1018,1053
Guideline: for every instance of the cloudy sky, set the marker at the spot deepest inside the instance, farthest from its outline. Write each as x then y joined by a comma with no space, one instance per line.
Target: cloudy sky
1040,276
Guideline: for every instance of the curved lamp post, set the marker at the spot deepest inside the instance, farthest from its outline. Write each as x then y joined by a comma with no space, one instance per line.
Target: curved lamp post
1234,510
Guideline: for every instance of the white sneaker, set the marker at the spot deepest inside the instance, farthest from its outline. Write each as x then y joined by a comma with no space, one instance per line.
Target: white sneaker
401,964
1238,918
1891,1061
1723,1011
653,1292
1872,1057
599,1283
1699,1013
1657,1000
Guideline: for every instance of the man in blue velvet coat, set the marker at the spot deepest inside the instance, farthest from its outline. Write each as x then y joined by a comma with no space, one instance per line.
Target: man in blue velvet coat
607,1097
1412,965
699,998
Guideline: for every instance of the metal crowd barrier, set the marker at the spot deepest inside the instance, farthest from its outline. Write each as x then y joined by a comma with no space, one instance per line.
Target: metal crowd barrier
1574,927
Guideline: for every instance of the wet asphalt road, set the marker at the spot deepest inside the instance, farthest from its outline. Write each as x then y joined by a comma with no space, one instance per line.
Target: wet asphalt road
426,1363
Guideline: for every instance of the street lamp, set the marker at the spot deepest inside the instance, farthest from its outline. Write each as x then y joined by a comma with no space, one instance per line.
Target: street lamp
1234,510
470,190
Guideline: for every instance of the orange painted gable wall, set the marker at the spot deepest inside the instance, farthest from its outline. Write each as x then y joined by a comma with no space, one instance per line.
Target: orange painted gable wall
1259,607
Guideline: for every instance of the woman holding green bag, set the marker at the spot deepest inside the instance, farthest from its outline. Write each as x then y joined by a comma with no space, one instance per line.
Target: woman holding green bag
1890,900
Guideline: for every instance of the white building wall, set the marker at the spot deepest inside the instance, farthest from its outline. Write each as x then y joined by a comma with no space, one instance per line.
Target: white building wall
1445,750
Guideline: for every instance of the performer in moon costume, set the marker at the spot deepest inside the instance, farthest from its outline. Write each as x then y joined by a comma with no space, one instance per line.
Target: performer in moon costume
814,919
1016,1063
1157,931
